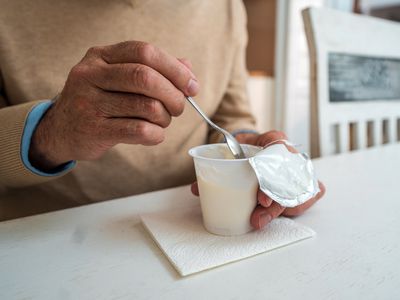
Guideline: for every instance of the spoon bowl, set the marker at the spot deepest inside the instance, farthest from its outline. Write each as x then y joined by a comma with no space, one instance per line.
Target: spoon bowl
232,143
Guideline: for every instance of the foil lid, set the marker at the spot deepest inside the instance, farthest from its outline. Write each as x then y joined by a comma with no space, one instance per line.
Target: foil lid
287,178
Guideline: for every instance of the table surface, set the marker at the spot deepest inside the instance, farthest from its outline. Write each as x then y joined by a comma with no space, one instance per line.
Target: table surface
102,251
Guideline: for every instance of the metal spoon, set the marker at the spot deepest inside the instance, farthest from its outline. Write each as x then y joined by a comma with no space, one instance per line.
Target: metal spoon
232,143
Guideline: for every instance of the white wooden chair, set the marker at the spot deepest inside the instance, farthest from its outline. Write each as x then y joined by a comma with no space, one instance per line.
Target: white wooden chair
355,81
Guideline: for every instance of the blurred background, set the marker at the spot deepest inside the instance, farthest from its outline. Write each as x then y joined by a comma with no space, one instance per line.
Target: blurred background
278,59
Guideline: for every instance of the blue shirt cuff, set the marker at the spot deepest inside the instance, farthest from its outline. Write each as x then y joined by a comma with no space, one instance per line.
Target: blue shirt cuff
239,131
31,123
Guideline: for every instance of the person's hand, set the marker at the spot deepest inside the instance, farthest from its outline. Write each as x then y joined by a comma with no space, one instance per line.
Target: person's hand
123,93
267,209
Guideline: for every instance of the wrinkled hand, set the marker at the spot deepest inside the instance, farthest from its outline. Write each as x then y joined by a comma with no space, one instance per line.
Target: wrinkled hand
123,93
267,209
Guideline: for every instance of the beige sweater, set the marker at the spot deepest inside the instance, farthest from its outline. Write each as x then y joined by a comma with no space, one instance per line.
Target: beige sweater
40,41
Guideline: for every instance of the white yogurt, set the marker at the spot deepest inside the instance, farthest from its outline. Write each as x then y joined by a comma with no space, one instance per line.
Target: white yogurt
226,209
228,188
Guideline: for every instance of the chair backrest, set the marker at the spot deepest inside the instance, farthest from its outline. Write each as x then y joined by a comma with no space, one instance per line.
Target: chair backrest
355,80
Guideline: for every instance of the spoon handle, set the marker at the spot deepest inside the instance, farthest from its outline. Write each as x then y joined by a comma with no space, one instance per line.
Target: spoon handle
232,143
196,107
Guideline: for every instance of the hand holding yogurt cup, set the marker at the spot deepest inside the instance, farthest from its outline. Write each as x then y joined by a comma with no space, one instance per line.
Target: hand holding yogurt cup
263,208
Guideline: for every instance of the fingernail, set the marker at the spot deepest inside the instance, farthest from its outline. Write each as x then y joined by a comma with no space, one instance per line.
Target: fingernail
193,87
264,220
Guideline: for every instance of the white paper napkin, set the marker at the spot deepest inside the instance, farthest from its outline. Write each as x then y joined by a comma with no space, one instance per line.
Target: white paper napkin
190,248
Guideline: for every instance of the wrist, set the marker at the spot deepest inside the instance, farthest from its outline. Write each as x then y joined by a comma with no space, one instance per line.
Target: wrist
44,153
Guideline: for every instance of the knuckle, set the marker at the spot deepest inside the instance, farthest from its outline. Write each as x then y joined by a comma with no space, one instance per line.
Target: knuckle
158,113
147,135
141,129
93,51
142,76
179,106
151,107
145,51
79,71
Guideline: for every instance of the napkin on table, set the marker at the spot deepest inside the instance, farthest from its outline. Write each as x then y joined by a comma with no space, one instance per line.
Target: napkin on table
191,249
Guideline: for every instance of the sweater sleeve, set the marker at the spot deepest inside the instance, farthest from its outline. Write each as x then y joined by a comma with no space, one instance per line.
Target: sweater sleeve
234,112
14,172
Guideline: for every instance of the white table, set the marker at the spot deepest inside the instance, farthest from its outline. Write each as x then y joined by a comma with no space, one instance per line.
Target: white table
102,251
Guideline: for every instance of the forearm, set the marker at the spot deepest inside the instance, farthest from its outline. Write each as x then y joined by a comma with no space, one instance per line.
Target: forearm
16,128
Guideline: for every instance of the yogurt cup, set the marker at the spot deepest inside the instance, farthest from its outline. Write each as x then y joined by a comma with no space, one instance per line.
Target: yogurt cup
227,187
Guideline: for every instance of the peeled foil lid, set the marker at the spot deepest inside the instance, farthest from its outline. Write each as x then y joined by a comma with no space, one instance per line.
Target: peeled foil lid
287,178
